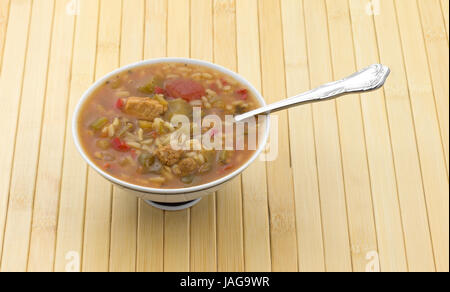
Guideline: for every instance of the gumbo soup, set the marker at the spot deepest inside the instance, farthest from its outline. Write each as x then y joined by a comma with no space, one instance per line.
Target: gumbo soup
126,125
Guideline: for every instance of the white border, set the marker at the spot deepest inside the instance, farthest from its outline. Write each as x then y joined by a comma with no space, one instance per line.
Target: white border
193,189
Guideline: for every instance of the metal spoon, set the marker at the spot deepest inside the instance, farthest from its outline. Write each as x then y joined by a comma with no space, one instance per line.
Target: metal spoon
370,78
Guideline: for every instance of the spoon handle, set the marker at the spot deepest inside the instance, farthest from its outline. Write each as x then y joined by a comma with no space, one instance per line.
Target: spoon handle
370,78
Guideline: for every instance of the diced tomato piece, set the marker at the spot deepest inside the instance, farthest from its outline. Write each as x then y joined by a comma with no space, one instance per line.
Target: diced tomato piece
214,132
133,154
214,87
159,90
154,134
224,169
242,94
120,145
224,82
119,103
228,167
184,88
107,166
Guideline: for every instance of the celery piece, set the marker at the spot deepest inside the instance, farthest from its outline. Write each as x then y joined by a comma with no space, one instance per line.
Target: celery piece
103,144
187,179
160,98
115,84
178,107
146,160
99,123
145,124
149,88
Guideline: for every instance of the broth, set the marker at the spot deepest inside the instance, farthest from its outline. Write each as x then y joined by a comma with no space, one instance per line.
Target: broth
125,126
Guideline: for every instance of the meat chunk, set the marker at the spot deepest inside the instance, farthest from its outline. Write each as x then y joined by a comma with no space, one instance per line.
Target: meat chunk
167,155
186,167
143,108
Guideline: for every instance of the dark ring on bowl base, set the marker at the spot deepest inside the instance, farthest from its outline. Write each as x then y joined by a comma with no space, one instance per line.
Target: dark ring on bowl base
173,206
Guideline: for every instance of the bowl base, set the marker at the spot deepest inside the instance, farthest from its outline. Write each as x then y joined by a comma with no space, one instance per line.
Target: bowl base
173,206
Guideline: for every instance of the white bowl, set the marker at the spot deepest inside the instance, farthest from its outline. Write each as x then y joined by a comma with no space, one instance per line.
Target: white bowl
169,195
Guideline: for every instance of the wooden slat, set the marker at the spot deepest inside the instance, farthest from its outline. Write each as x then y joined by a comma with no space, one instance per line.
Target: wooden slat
407,167
73,183
203,257
150,245
230,249
11,85
437,48
125,203
445,11
432,159
357,175
178,32
4,13
254,182
307,201
176,224
96,246
279,172
23,176
176,241
150,242
351,127
384,187
45,211
201,29
329,165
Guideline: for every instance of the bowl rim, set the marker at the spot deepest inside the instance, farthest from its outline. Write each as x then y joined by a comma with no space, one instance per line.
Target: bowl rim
161,191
